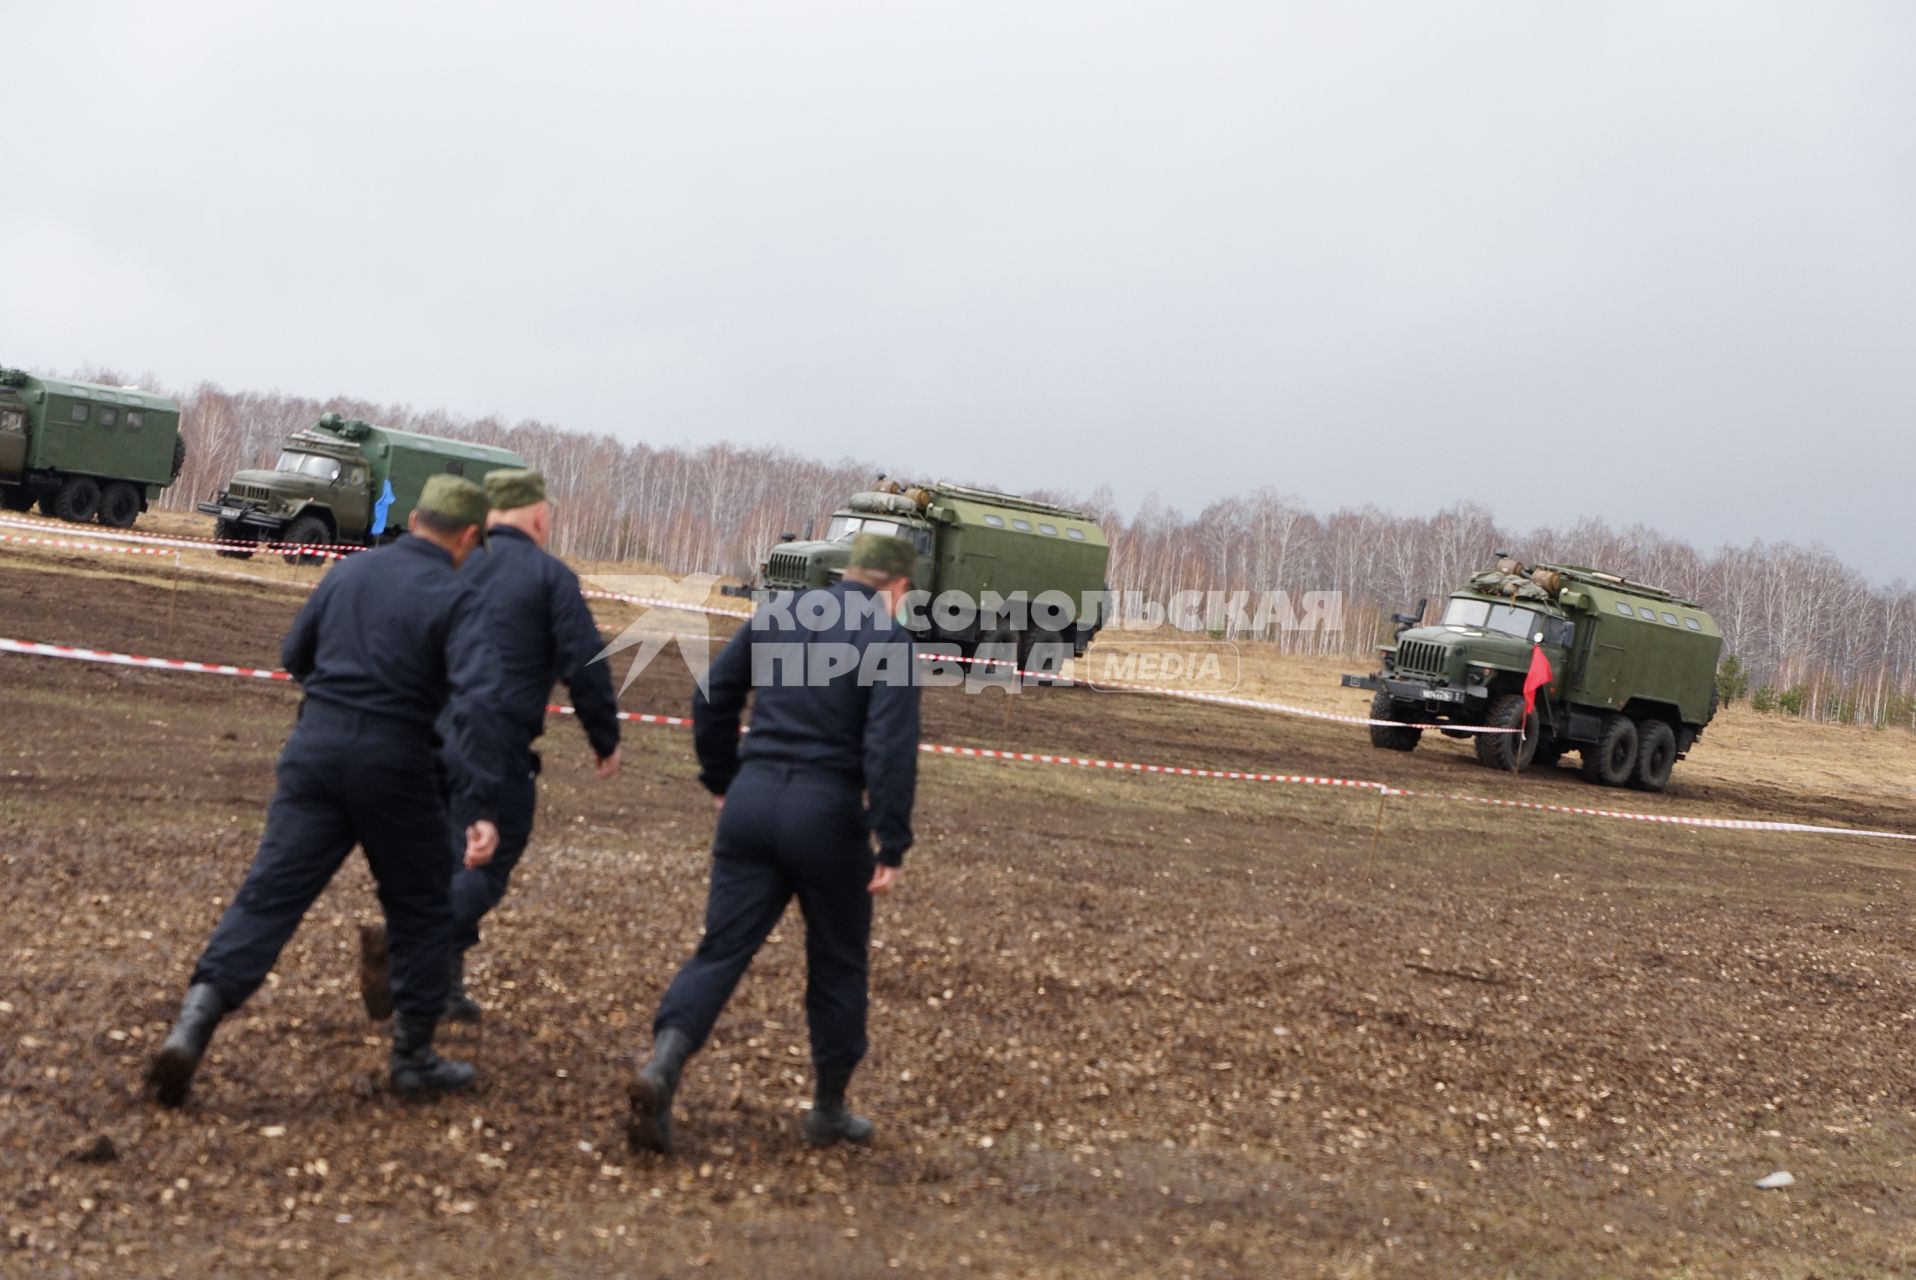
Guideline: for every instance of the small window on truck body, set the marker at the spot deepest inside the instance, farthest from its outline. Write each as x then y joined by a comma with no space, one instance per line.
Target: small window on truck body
1076,535
1670,618
135,419
996,522
1049,529
78,412
1020,524
1626,610
108,416
1693,624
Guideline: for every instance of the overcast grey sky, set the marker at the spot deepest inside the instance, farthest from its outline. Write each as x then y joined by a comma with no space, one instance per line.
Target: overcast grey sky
1649,261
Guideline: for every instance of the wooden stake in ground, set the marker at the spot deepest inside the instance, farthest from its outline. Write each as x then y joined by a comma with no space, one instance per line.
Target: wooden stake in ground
173,602
1370,860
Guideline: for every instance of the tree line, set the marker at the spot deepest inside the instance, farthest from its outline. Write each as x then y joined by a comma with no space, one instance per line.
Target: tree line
1811,636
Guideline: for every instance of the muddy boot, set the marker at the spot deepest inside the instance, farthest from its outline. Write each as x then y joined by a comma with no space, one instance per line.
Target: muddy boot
649,1125
418,1072
460,1007
171,1071
830,1120
375,972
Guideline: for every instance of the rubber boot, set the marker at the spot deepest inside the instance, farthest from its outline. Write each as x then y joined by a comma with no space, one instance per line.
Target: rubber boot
375,972
649,1125
418,1072
171,1071
460,1006
830,1120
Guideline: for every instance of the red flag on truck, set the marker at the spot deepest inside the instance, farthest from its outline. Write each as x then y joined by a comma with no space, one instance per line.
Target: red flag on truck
1540,675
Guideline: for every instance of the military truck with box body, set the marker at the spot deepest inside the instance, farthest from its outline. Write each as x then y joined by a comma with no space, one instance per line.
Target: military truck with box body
84,451
998,551
342,482
1633,673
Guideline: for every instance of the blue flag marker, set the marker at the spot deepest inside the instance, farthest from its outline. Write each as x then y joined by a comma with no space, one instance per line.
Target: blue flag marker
381,507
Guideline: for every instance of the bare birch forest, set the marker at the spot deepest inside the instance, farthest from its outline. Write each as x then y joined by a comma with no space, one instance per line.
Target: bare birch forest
1813,635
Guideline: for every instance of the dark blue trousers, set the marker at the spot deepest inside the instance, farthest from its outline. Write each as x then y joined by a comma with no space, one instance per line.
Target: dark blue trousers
475,891
786,832
346,778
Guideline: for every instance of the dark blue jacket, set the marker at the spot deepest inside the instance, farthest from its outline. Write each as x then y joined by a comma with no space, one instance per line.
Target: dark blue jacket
544,634
396,632
861,722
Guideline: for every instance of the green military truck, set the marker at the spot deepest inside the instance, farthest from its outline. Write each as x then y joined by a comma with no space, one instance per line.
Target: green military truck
84,451
342,482
1633,673
998,552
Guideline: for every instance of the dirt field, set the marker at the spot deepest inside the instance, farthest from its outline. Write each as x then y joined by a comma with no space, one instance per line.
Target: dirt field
1124,1025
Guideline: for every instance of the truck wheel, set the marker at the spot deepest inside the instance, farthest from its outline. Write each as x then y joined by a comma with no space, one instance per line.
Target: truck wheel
1613,758
1397,737
1042,651
1656,756
306,531
225,532
119,505
77,501
1511,752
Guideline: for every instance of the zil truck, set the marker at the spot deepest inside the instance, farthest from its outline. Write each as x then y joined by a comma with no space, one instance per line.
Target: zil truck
341,482
85,452
1632,673
995,550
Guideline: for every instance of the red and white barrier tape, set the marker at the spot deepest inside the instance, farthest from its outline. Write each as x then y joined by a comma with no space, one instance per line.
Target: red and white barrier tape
150,547
36,649
185,541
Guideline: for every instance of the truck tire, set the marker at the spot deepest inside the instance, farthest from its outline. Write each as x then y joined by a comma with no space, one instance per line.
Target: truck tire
119,505
1398,737
307,531
1656,756
1042,651
1511,752
1613,758
77,501
225,532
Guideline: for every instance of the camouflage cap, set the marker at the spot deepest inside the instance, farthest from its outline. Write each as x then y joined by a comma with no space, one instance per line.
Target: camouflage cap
515,487
893,557
454,498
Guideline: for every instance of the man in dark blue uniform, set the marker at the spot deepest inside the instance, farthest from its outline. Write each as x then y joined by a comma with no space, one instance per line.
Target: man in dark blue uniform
543,633
392,638
836,715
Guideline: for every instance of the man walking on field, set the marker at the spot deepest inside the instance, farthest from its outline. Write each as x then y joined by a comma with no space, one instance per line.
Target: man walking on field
829,769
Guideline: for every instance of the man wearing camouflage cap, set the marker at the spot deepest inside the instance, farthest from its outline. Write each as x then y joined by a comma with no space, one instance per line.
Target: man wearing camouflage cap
828,770
544,634
392,643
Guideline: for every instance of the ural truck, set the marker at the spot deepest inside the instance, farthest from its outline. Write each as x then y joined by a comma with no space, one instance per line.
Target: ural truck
1632,673
998,552
341,482
85,452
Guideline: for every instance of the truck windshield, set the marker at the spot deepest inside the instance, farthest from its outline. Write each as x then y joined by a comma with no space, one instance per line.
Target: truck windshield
308,464
842,528
1501,618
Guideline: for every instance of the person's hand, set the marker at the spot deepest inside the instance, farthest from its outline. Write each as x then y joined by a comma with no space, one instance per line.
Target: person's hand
482,841
608,766
883,878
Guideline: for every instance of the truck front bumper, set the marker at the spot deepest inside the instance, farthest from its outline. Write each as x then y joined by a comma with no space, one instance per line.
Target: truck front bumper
243,515
1435,697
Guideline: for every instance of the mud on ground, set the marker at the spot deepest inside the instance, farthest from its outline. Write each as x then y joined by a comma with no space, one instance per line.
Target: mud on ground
1123,1025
